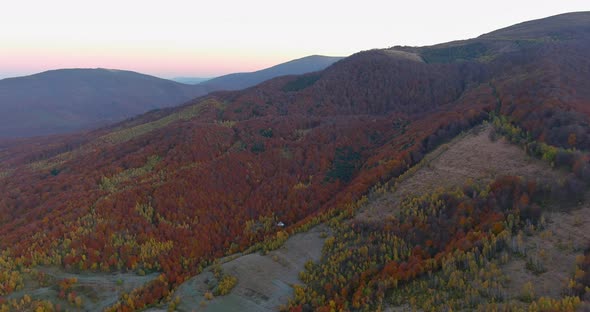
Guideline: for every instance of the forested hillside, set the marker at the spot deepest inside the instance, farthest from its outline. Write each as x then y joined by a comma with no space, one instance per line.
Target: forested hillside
173,190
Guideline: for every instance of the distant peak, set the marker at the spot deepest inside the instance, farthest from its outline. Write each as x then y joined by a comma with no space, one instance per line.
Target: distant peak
110,69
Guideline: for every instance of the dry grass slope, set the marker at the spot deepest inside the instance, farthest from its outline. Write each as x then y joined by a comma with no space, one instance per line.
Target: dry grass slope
547,254
264,281
471,156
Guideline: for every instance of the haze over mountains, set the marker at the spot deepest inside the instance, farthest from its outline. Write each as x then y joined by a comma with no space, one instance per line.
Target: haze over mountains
239,81
60,101
189,80
447,177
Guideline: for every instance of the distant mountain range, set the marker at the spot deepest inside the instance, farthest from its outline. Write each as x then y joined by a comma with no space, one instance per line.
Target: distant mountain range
295,67
65,100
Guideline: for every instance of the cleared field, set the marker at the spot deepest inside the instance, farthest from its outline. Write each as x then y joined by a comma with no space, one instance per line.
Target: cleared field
97,290
264,281
547,255
552,252
472,156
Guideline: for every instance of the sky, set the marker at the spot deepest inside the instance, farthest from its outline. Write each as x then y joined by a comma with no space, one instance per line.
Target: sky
210,38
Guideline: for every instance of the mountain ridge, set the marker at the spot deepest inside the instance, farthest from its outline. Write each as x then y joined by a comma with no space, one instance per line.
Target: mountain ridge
243,80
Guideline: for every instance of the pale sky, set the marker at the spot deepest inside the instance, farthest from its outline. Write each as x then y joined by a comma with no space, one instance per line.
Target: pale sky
169,38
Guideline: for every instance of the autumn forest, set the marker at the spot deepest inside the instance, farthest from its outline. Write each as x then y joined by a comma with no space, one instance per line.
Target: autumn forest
170,194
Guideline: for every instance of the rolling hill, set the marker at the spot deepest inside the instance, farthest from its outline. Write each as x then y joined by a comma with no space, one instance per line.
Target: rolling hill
390,156
65,100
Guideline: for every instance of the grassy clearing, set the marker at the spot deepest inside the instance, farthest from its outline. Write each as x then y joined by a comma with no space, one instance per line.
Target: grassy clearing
112,184
5,173
133,132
